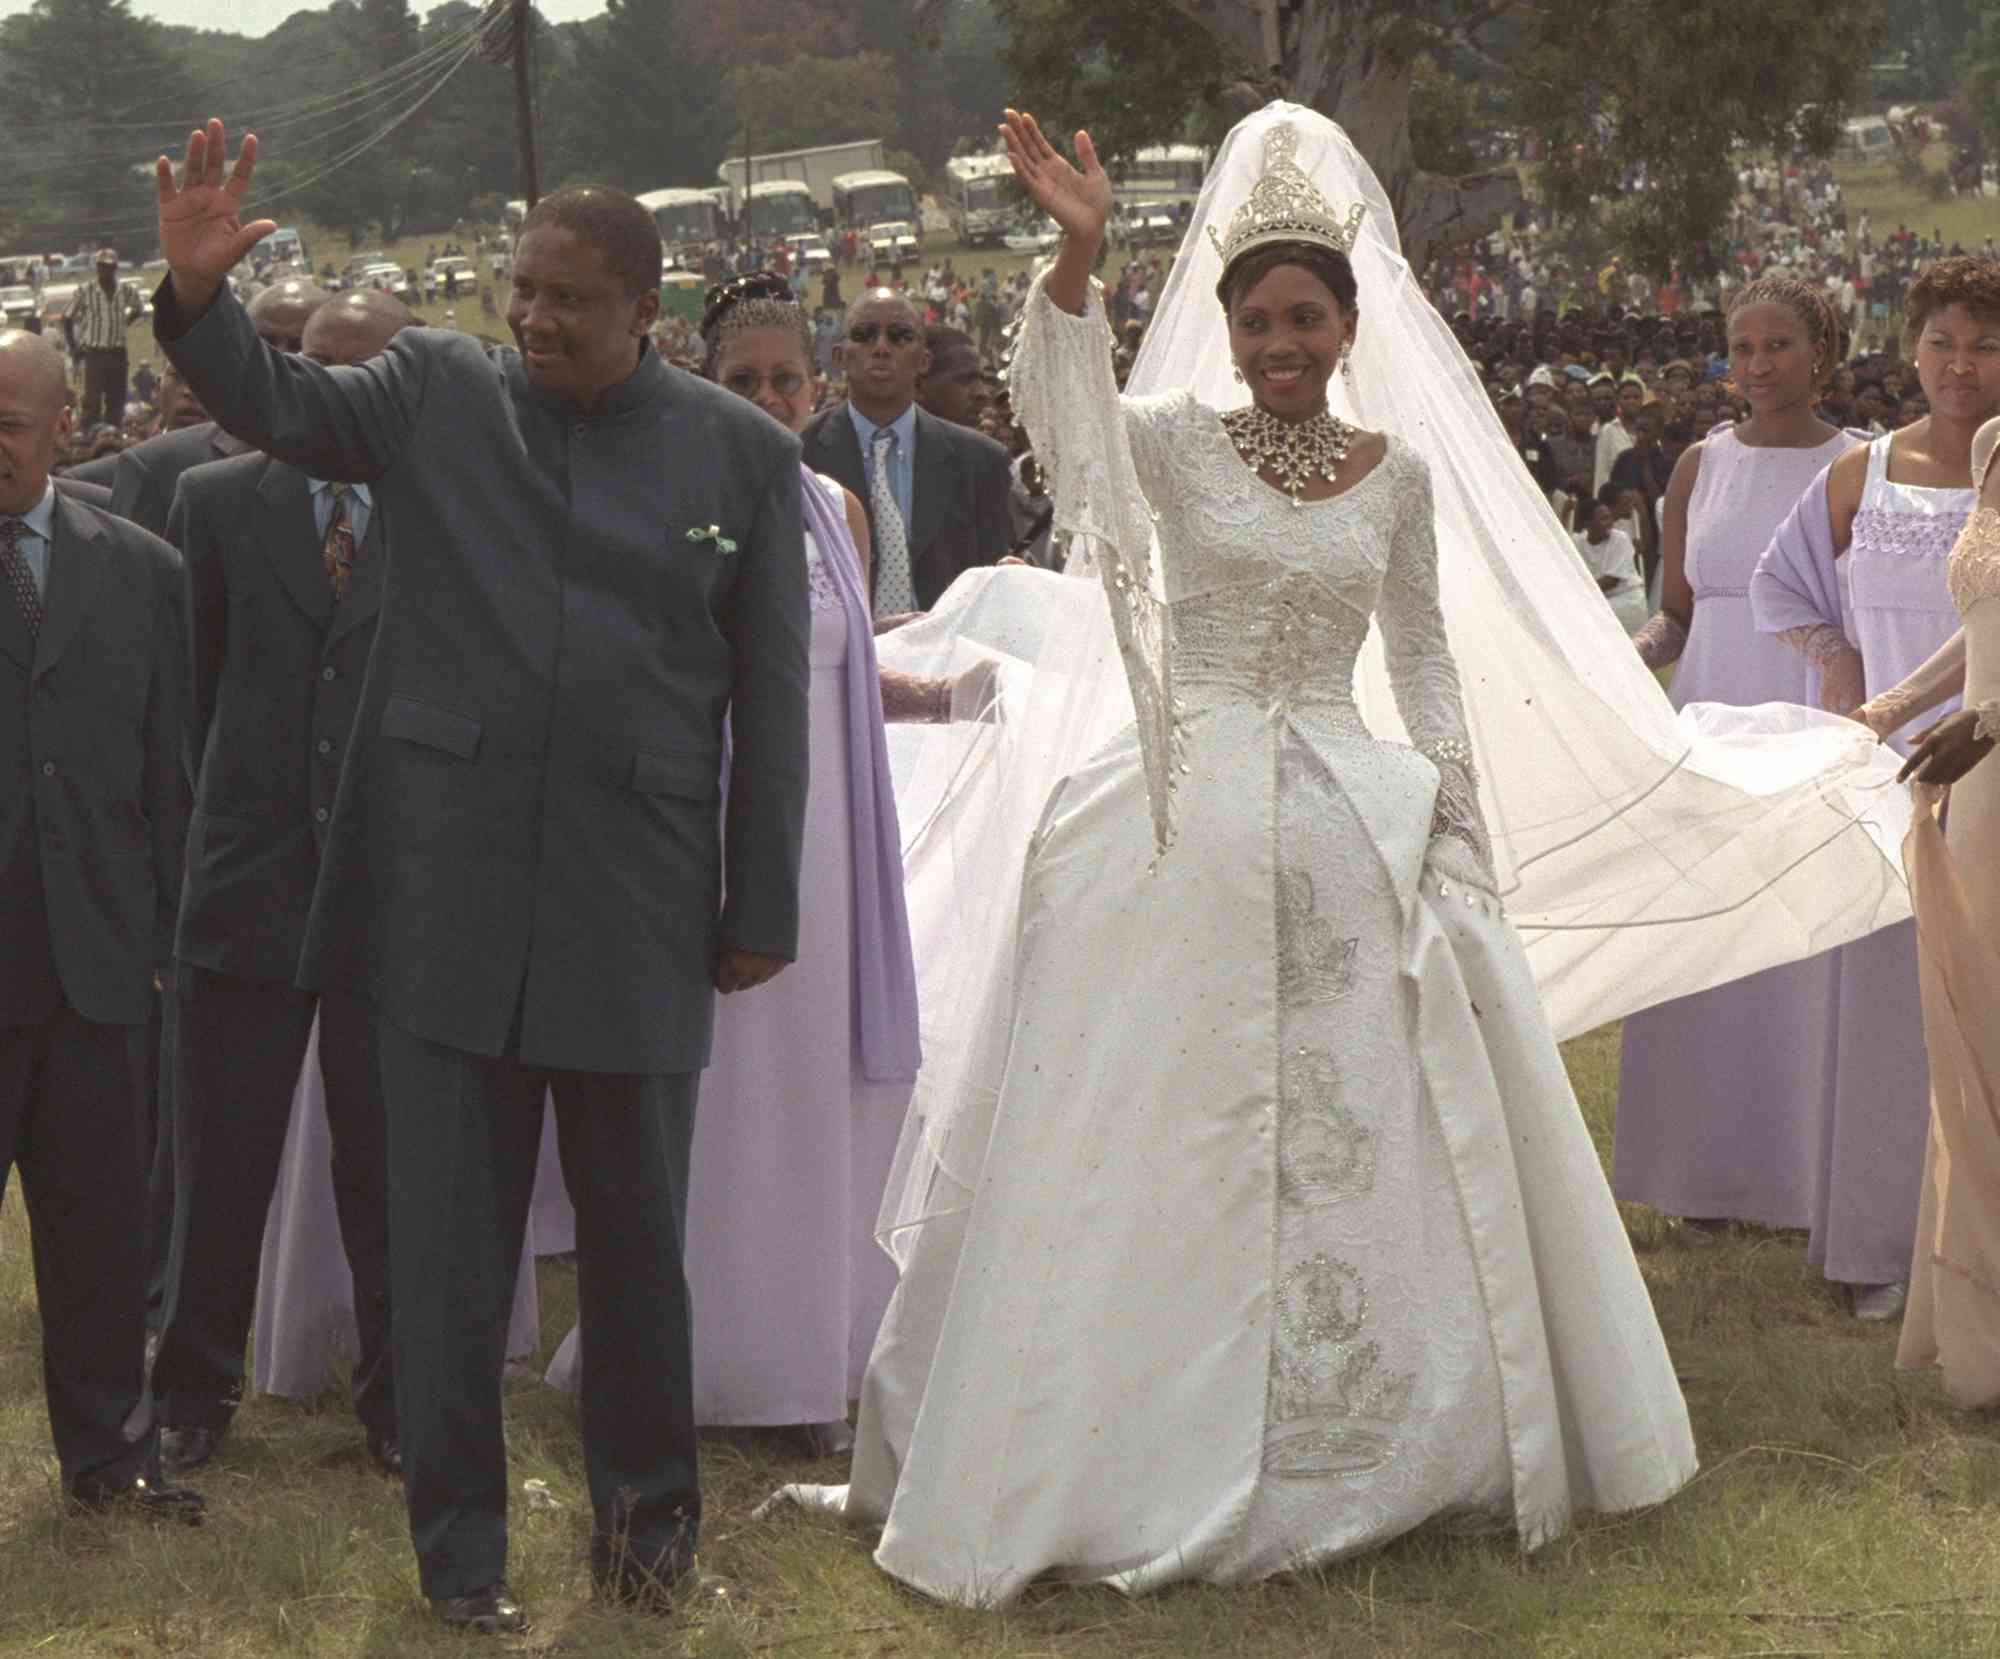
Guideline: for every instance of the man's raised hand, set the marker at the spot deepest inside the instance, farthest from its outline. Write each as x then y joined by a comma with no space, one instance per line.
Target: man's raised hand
202,233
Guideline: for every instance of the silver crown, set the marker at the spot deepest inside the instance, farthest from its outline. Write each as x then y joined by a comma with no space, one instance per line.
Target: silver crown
1285,206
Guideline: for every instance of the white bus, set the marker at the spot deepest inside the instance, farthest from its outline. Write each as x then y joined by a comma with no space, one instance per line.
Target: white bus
872,197
1162,173
687,218
775,208
985,200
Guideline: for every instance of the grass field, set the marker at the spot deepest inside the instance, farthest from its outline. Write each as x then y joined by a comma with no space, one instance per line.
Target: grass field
1842,1509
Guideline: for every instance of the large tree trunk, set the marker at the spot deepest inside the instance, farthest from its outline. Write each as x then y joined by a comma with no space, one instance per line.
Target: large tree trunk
1353,61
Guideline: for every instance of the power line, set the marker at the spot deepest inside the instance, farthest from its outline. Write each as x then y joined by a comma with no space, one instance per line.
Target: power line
128,229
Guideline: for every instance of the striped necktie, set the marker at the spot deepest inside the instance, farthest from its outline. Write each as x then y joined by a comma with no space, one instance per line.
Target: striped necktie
894,593
14,566
337,546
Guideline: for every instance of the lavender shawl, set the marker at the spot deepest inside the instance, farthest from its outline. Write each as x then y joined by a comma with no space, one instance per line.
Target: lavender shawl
1797,584
885,970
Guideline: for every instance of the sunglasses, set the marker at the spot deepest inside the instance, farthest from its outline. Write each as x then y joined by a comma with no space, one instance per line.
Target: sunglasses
899,334
748,383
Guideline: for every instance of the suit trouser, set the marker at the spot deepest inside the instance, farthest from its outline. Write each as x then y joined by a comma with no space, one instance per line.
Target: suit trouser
464,1131
103,387
160,1176
71,1110
238,1048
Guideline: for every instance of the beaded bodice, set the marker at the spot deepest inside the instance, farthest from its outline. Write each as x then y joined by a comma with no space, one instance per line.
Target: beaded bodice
1288,641
1974,571
1267,603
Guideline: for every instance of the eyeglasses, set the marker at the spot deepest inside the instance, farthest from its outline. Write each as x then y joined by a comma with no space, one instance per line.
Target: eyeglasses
863,334
748,383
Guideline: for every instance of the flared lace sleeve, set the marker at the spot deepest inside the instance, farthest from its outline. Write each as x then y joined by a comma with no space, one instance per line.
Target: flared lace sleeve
1421,670
1098,453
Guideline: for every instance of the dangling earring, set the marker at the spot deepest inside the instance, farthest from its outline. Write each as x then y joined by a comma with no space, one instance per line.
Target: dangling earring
1347,362
1239,375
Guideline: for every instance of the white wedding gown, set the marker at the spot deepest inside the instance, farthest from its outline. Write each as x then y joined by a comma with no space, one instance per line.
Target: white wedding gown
1289,1236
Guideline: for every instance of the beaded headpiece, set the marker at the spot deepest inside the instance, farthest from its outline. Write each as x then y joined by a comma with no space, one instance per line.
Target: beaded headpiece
1285,206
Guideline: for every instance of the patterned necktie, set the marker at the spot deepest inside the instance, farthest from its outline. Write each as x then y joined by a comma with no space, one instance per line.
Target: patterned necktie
893,593
338,544
14,564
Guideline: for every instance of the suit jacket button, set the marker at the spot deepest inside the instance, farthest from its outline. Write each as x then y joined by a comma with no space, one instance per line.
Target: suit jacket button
325,747
319,814
48,768
326,673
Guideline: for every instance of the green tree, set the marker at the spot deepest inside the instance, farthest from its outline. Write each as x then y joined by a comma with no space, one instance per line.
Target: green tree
1933,36
74,76
1616,91
637,109
787,106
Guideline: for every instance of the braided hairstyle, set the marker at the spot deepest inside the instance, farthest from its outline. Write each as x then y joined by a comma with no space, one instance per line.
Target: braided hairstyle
760,299
1814,311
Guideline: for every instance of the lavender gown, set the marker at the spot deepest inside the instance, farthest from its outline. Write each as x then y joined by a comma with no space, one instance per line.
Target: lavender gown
305,1338
1872,1149
1722,1095
791,1146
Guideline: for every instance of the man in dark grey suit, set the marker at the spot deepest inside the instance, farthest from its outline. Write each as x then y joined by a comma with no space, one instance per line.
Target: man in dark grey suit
284,578
592,560
93,820
142,486
944,489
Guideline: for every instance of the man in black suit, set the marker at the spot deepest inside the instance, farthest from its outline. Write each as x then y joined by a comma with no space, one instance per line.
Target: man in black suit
593,559
940,503
284,578
79,489
93,820
142,487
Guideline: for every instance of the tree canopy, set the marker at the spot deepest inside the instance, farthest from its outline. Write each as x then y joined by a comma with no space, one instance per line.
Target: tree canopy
1613,94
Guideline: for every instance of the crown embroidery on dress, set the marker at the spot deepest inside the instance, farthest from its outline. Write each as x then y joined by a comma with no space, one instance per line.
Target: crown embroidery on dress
1286,206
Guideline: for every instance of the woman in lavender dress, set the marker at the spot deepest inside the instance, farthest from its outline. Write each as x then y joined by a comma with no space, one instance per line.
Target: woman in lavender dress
803,1101
1720,1094
1865,597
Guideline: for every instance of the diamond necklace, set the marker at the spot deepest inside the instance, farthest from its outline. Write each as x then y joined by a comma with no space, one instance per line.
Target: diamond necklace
1297,451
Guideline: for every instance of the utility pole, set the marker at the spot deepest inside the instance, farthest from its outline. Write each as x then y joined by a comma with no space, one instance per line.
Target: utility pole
527,177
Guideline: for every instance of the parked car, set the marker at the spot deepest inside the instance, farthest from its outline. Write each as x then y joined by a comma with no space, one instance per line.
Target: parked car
452,264
350,273
809,253
55,301
1150,224
893,240
390,278
1035,236
17,304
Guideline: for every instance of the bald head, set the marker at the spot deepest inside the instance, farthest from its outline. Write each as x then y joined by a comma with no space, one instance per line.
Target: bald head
279,313
884,302
883,354
34,416
355,326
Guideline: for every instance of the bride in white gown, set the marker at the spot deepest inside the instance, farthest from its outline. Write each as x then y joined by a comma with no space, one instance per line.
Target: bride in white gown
1288,1236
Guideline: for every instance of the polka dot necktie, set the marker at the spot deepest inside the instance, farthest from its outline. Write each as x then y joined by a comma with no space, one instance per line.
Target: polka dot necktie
14,564
894,593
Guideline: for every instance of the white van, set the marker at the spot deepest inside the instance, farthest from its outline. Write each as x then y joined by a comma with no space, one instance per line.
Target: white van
1867,138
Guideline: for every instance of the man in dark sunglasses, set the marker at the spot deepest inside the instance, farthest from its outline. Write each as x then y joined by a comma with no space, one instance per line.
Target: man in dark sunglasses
936,493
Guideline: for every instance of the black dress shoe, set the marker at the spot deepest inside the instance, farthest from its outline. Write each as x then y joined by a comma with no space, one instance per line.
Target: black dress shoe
182,1449
151,1498
492,1611
387,1451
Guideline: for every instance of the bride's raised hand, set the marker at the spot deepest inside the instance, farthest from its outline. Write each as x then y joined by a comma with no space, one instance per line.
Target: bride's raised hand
1077,198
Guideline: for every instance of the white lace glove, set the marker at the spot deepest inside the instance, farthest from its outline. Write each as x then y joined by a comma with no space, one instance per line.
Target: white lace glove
1842,681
